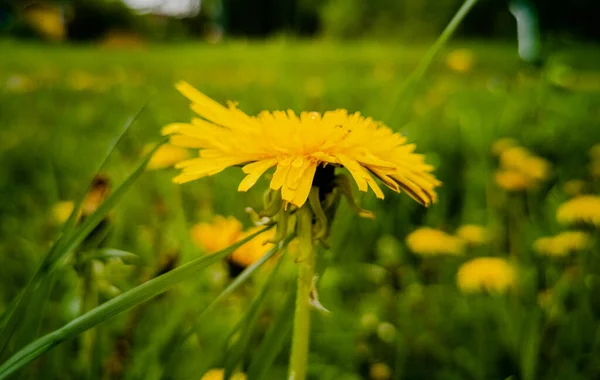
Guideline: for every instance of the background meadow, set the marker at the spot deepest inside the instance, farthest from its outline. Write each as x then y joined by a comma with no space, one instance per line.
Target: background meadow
394,312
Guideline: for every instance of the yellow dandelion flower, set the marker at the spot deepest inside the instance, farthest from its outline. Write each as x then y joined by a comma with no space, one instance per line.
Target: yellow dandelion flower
520,159
486,273
98,192
380,371
536,168
297,146
223,232
430,242
460,60
574,187
500,145
512,180
595,152
219,374
514,157
581,209
562,244
256,248
473,234
48,21
215,236
166,156
62,210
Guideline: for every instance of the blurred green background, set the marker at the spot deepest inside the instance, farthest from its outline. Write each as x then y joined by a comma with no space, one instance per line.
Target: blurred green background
72,73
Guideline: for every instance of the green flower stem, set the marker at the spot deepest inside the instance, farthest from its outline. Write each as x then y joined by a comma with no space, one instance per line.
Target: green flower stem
306,273
115,306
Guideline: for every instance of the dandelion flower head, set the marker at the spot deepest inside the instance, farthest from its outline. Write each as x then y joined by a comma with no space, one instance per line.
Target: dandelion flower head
223,232
297,145
219,374
460,60
583,209
512,180
520,159
166,156
473,234
491,274
500,145
431,242
62,210
562,244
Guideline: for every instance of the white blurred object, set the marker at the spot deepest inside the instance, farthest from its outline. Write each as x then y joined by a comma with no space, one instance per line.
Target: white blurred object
528,32
178,8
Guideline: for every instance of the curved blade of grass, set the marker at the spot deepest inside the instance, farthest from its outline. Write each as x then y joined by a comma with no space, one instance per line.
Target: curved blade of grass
236,354
10,321
403,98
111,253
115,306
273,341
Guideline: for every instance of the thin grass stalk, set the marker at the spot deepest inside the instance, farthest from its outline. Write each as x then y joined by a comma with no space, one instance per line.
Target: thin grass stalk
404,97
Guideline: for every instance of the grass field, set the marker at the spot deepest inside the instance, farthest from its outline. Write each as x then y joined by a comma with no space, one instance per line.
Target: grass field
394,313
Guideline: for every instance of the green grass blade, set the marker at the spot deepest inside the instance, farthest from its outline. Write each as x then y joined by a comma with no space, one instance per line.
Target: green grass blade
115,306
274,340
111,253
236,354
404,97
56,252
88,225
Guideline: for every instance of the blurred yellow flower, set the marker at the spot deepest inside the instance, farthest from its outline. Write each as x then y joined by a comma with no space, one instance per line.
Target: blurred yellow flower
595,152
500,145
520,159
297,146
562,244
431,242
486,273
514,157
62,210
121,39
166,156
473,234
219,374
460,60
574,187
512,180
380,371
536,167
223,232
581,209
98,192
47,20
256,248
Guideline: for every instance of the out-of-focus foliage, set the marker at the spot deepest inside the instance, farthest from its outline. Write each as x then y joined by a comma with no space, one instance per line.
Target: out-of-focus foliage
394,313
337,19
